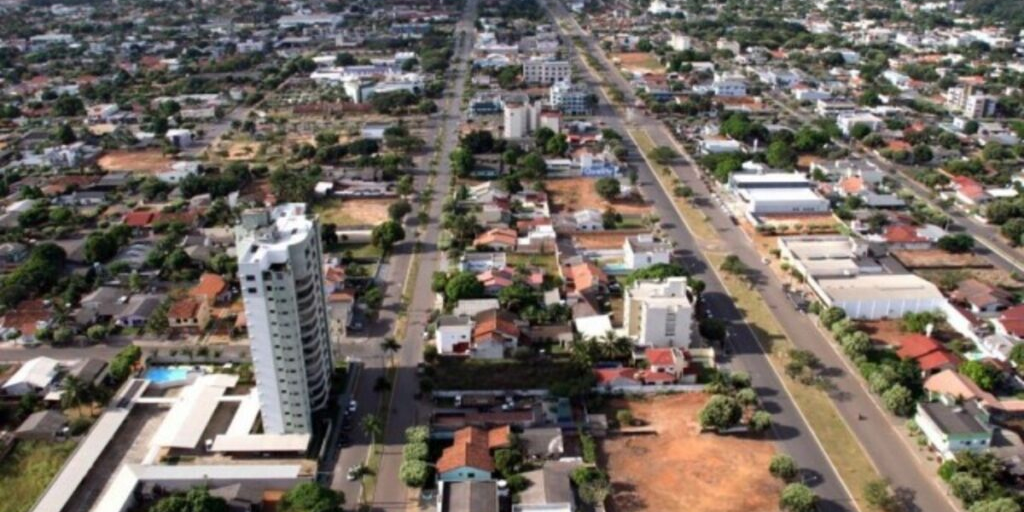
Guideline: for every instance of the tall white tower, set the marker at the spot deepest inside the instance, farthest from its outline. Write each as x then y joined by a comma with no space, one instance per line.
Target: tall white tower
280,269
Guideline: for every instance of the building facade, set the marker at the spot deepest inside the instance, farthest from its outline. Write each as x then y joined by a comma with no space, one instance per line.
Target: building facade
546,71
571,99
659,314
281,274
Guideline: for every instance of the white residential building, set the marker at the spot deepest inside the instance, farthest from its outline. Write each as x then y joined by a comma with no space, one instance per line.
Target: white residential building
543,71
571,99
659,314
680,42
453,334
281,274
521,119
643,251
846,122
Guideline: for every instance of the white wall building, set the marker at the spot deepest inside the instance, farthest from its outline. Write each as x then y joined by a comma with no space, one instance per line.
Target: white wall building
680,42
543,71
453,334
878,296
281,275
520,119
643,251
659,314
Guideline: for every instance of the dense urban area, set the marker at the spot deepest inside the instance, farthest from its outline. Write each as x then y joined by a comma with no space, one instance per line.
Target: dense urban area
512,256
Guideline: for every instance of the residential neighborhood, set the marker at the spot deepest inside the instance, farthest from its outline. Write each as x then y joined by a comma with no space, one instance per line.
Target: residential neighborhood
512,256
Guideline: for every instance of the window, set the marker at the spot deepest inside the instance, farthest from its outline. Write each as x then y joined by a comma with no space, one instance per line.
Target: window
250,278
250,290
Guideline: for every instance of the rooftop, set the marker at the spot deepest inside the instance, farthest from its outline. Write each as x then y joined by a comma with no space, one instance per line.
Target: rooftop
879,286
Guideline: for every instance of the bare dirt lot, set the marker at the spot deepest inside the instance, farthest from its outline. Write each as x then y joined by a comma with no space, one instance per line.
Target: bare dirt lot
681,469
638,61
603,239
573,194
354,212
150,161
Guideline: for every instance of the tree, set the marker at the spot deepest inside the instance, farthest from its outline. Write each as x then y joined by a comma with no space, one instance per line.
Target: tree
856,343
967,488
798,498
662,155
311,497
608,188
712,329
610,218
971,127
899,400
463,285
417,434
996,505
880,497
390,346
65,134
760,421
292,186
624,417
68,106
746,396
414,473
557,145
97,332
783,467
73,393
720,413
100,247
197,499
780,155
919,321
416,451
733,265
386,234
372,426
983,375
507,461
1017,355
533,166
860,130
463,162
831,316
591,483
399,209
956,244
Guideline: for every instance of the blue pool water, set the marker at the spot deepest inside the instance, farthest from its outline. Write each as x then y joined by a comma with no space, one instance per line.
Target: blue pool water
163,374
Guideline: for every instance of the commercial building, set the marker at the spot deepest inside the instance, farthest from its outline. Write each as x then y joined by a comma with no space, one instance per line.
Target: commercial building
281,274
659,314
873,297
571,99
783,201
643,251
538,71
824,256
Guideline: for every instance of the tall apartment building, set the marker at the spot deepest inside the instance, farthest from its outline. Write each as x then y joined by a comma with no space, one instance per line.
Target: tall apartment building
542,71
521,118
280,268
659,314
572,99
969,103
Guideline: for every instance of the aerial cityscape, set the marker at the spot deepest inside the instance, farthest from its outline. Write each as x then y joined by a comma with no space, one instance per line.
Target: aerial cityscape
512,256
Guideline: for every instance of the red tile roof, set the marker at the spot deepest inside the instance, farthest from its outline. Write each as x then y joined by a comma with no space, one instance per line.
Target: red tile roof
502,236
903,234
495,322
471,448
929,353
660,356
139,219
1013,320
609,375
210,287
184,309
968,187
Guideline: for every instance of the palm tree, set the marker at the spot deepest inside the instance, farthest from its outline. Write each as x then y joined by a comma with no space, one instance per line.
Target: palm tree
74,393
614,346
390,346
372,426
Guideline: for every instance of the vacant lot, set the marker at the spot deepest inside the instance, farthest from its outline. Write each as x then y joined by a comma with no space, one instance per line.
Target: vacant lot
937,258
150,161
603,239
459,374
26,472
354,212
572,194
681,469
638,61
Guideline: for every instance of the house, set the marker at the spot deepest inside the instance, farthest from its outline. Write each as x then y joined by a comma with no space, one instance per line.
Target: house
45,425
953,428
498,239
542,443
140,219
495,332
212,289
137,311
585,277
477,262
951,387
981,297
188,315
659,313
496,280
588,220
453,334
643,251
550,489
968,191
904,237
33,376
878,296
472,307
930,355
87,370
469,457
1011,322
670,361
468,496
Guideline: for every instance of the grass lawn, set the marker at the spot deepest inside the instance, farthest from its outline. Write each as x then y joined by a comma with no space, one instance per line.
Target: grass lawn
457,374
545,262
26,472
842,447
359,251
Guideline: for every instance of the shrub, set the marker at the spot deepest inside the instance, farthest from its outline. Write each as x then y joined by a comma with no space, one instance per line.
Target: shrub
783,467
415,451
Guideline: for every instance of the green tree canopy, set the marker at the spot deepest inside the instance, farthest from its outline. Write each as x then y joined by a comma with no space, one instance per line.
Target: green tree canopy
311,497
798,498
195,500
720,413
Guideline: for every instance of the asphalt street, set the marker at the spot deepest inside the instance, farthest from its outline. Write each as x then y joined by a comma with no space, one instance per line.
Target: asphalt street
889,452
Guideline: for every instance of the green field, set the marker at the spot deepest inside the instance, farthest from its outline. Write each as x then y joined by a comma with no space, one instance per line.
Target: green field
26,472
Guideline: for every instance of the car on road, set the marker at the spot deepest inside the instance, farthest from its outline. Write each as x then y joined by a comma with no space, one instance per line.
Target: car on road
352,406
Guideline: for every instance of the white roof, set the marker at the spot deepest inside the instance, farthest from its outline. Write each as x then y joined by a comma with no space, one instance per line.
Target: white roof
770,177
261,443
185,422
38,373
769,195
245,416
594,326
879,286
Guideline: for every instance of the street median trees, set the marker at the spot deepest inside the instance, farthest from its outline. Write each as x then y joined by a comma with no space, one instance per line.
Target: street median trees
783,467
798,498
414,473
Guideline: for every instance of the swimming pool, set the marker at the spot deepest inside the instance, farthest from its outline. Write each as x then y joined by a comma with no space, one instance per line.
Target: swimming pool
167,374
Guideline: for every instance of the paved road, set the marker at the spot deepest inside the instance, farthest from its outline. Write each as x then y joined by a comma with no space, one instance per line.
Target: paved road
993,245
406,410
887,449
21,354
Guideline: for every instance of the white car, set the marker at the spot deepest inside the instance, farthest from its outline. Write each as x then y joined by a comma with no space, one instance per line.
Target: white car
352,406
